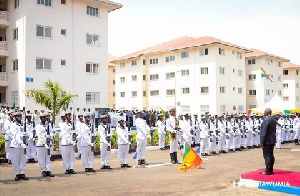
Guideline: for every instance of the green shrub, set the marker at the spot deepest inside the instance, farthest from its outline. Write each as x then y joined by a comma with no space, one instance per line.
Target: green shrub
2,146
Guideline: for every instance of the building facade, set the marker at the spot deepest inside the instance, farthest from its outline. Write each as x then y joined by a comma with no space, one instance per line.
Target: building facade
262,90
291,85
111,83
195,75
58,40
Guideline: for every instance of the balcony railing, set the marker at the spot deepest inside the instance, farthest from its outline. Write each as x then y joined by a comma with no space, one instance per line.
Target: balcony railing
3,45
3,76
4,15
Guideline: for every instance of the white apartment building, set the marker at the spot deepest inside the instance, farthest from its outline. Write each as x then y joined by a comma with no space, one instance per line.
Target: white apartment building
196,75
291,85
59,40
262,90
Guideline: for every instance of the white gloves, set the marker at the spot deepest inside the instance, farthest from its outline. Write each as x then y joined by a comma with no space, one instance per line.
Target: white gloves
23,146
73,143
91,144
46,146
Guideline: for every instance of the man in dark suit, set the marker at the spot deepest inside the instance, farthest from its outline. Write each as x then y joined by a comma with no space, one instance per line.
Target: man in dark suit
268,140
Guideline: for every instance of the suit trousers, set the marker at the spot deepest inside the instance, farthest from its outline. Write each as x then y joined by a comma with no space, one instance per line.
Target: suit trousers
87,157
105,155
18,160
68,156
141,148
7,149
123,150
268,153
43,159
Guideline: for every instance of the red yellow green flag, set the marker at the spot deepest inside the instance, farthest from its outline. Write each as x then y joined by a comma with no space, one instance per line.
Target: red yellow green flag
191,159
264,74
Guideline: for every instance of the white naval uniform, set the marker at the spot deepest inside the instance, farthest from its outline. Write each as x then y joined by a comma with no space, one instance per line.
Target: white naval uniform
213,136
196,125
278,135
237,141
297,128
78,132
170,125
249,128
281,122
31,148
87,156
123,144
229,135
141,137
161,133
7,125
18,158
104,131
42,152
204,145
186,131
222,138
67,145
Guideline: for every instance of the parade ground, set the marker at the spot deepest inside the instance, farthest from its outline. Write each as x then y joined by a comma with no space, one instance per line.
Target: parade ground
218,176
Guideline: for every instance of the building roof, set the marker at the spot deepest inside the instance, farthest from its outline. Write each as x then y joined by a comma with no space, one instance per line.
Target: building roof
112,6
287,65
181,43
258,53
111,58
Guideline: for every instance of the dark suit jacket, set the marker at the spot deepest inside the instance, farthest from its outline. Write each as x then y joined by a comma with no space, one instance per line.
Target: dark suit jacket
268,131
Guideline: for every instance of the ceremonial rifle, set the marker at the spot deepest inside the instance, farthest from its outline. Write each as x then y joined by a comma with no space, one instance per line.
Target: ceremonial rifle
93,135
24,131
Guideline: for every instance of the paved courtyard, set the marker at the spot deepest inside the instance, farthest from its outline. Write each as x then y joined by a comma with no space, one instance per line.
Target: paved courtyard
213,178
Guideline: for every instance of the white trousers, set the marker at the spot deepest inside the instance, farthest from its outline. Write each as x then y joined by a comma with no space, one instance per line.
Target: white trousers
43,159
197,137
105,155
221,143
229,141
18,160
249,138
87,157
141,148
79,145
237,141
213,144
278,139
161,138
7,149
31,150
204,145
68,156
123,150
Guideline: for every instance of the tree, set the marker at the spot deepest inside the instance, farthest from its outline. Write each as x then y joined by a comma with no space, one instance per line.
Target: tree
53,97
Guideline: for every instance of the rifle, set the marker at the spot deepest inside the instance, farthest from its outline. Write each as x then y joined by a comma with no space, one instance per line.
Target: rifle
48,141
129,133
24,131
93,136
33,133
107,130
74,134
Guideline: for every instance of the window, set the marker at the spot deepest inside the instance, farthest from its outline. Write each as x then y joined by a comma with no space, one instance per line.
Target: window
239,55
233,52
154,77
42,31
297,72
204,90
221,51
133,94
297,85
252,92
15,65
114,82
184,55
170,58
252,77
267,92
144,94
92,97
285,72
15,34
279,64
122,94
170,92
114,94
222,108
93,39
63,62
267,61
122,65
14,97
285,85
134,78
222,89
153,61
279,92
185,109
240,90
185,90
133,62
43,64
204,70
144,62
252,106
16,4
286,98
203,51
204,108
279,78
240,73
251,61
63,2
63,31
92,68
45,2
240,108
144,77
222,70
92,11
170,75
154,93
122,79
185,72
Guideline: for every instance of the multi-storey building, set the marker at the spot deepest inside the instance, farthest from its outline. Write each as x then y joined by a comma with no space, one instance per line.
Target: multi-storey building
111,82
291,85
196,75
59,40
262,90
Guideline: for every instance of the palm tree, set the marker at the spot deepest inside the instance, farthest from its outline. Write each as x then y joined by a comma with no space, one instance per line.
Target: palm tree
53,97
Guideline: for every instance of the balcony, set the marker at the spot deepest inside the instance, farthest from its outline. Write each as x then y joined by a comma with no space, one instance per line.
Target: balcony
4,19
3,79
3,48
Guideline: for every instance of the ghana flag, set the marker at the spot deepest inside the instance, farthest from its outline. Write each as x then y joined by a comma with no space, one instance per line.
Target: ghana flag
191,159
264,74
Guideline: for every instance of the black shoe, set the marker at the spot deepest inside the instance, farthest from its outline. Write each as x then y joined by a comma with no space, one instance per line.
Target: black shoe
230,150
49,174
128,166
243,147
44,174
107,167
67,171
80,156
72,171
175,158
9,161
144,162
102,167
92,170
18,177
122,165
266,173
163,148
206,154
23,177
52,159
33,160
224,151
202,154
214,152
87,169
172,158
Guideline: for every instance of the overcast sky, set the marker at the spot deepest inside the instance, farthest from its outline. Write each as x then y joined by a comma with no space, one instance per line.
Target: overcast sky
269,25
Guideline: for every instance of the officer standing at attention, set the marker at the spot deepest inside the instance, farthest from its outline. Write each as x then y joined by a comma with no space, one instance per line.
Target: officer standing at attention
123,144
7,125
173,128
141,138
161,132
105,145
